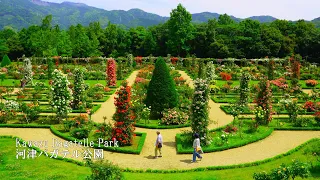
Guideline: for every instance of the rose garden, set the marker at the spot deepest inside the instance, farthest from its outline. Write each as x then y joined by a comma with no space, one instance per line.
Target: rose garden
258,116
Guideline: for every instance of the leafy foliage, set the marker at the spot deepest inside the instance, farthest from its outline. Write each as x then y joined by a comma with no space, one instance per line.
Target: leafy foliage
162,93
124,125
5,61
61,94
200,109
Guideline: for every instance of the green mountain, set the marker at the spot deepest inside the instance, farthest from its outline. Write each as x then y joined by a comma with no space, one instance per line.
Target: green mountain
24,13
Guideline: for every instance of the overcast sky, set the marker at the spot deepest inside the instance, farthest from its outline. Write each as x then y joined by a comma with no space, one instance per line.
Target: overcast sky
281,9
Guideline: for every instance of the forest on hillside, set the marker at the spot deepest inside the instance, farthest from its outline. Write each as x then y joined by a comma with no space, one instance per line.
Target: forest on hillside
217,38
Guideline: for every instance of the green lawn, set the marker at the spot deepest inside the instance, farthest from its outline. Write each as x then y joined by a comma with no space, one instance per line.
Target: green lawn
46,168
245,173
39,168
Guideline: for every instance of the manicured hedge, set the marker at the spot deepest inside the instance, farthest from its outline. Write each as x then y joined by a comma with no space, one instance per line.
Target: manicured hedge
180,149
113,149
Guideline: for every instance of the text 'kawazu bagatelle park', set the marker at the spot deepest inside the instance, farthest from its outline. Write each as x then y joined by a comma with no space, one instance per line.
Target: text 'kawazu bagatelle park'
164,102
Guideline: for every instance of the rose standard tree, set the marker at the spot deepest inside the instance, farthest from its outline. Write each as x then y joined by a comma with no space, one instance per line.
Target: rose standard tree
79,88
111,73
124,125
27,73
61,94
200,108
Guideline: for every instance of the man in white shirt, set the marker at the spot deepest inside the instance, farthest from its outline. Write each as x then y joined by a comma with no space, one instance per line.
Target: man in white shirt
158,145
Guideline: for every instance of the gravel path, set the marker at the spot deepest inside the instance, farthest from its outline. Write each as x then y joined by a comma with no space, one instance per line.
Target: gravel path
277,143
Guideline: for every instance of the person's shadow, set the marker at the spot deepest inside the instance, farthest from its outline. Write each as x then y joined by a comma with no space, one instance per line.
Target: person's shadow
149,157
188,161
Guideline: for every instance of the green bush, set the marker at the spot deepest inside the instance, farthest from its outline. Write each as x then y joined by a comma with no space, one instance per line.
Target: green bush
296,169
104,171
162,93
5,61
80,133
302,122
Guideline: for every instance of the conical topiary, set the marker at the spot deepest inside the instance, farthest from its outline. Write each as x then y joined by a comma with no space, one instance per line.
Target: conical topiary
5,61
162,93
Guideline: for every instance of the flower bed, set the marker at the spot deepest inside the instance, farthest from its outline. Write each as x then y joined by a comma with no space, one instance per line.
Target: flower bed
219,140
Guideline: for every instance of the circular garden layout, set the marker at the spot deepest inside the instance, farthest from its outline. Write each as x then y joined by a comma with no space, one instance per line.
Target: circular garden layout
247,113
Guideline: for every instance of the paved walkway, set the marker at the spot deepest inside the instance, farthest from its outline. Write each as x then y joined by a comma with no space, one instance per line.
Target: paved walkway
278,142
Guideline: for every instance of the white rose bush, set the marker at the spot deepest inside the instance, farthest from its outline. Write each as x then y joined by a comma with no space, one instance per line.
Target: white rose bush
61,94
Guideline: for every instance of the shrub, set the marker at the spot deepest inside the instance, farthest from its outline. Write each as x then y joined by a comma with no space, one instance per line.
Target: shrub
138,60
124,125
5,61
302,122
214,89
264,99
162,93
111,73
244,88
61,94
174,117
31,111
225,76
199,109
309,106
103,131
174,60
79,88
231,129
104,170
317,117
296,169
311,83
80,133
179,81
27,72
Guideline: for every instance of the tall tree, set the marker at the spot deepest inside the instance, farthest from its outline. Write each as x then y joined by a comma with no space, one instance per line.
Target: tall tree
180,31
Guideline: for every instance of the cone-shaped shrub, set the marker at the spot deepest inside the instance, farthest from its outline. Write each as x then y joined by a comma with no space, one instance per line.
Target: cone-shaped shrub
162,93
5,61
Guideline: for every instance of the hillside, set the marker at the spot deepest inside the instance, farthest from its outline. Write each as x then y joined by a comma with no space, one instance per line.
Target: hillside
23,13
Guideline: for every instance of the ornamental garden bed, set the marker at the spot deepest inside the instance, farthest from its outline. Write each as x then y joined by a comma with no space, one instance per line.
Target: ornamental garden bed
231,136
222,140
233,99
176,117
155,124
247,110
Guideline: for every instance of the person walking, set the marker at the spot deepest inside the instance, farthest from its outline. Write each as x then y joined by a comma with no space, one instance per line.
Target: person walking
158,145
196,148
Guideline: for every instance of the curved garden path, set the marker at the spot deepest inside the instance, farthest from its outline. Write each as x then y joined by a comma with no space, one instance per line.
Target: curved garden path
278,142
